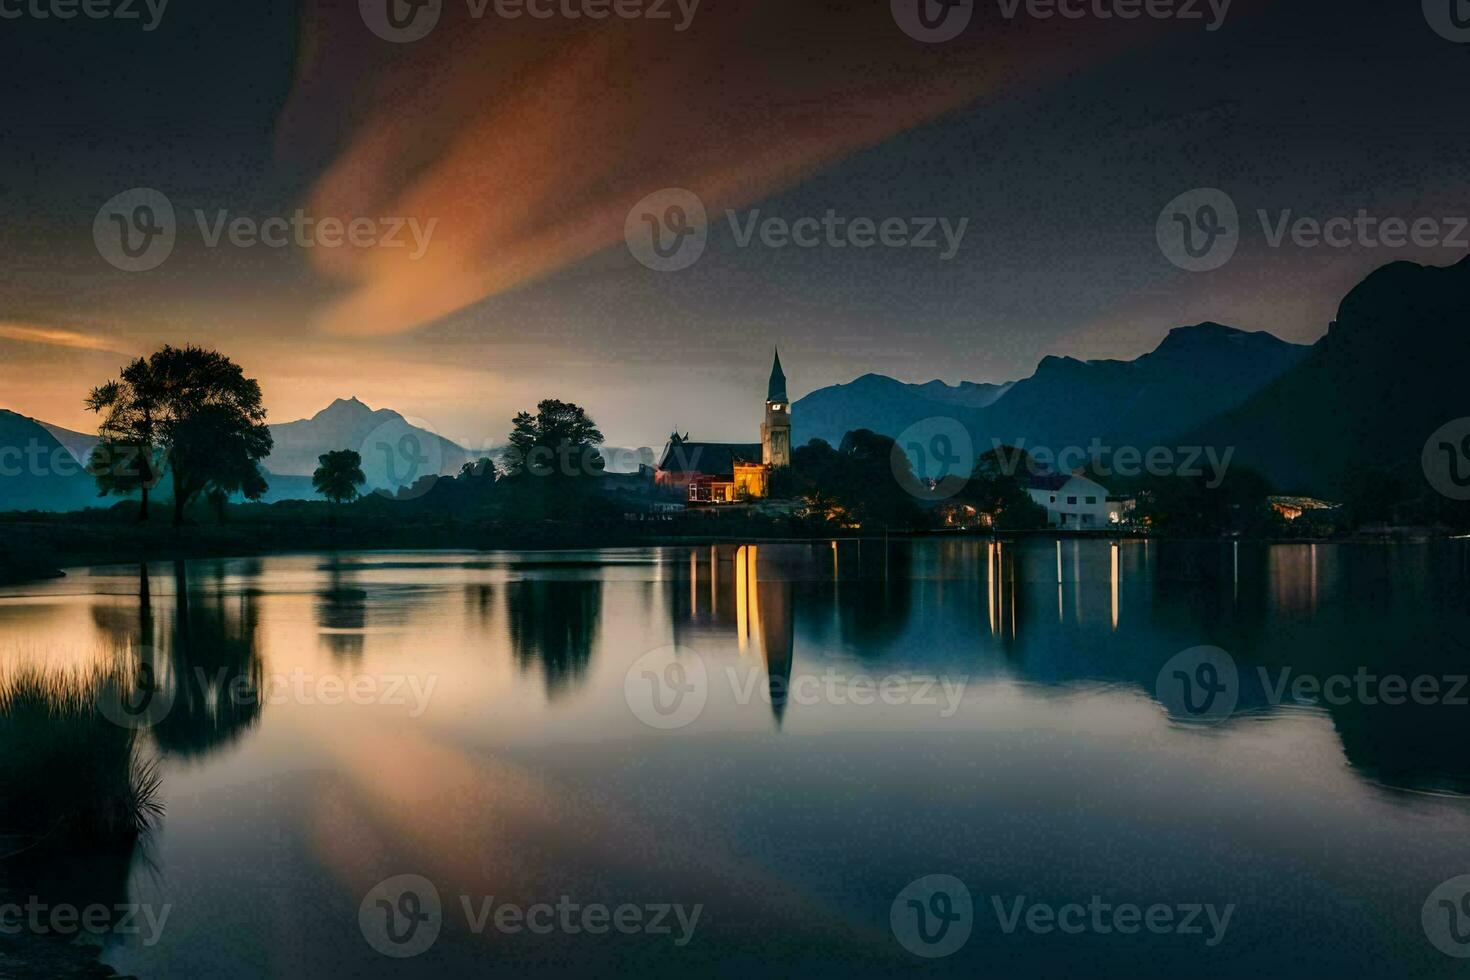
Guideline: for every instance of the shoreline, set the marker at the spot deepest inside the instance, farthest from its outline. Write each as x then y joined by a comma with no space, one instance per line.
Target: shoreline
34,551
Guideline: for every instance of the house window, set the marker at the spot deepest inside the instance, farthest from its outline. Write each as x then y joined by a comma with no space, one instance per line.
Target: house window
1071,500
1092,500
1053,498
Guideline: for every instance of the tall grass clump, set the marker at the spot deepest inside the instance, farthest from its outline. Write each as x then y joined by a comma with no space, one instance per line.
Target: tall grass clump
68,775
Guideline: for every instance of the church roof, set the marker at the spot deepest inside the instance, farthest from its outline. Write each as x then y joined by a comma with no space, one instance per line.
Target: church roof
776,390
712,458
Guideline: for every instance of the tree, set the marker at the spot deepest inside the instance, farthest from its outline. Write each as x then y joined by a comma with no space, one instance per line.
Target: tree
855,485
481,469
212,452
338,476
122,469
552,466
872,480
1180,505
198,407
560,440
125,460
997,486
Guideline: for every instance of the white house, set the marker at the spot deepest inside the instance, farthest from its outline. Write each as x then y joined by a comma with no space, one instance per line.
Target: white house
1074,501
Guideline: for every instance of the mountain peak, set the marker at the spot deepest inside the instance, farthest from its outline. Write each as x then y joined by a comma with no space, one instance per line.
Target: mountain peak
1212,334
349,408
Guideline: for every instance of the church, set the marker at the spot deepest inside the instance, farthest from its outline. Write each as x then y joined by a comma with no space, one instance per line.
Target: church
731,472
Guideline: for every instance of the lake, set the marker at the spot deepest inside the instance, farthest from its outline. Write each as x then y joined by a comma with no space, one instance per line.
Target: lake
1033,758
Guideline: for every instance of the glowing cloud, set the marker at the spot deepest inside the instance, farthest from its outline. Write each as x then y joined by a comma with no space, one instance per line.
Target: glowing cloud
58,337
528,141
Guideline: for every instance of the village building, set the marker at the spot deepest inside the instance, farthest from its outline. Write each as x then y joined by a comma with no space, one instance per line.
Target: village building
1074,501
727,472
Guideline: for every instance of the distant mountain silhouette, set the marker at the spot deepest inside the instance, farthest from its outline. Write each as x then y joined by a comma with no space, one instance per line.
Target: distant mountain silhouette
79,444
37,472
1195,374
394,452
1389,372
879,403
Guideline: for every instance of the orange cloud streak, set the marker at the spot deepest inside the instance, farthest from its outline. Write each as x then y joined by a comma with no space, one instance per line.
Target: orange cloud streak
57,337
529,141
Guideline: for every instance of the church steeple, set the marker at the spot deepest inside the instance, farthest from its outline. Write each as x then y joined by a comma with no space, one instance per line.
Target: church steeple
776,390
776,429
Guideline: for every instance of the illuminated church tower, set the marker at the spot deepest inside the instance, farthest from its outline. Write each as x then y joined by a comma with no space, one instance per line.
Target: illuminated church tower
776,429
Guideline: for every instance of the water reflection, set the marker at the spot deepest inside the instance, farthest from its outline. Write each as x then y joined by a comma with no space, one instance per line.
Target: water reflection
1061,615
1072,615
1061,643
552,625
342,611
214,663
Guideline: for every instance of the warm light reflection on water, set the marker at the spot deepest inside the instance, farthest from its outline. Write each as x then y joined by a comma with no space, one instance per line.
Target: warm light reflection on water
489,744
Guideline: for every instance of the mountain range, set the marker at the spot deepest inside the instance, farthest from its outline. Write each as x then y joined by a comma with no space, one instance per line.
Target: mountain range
1357,404
1193,375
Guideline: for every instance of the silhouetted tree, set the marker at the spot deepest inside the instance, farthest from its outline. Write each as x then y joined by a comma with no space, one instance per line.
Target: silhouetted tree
217,447
560,440
122,469
125,459
856,483
1189,505
198,407
481,469
339,475
997,486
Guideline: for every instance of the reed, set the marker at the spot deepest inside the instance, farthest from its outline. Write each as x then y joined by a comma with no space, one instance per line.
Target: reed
67,773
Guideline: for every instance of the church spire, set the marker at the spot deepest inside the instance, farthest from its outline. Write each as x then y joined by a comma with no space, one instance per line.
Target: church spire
776,390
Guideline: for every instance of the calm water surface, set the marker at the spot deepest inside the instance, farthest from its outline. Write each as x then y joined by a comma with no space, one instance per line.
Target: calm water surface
503,725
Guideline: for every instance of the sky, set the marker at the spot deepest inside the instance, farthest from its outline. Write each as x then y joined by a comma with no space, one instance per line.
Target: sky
521,153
